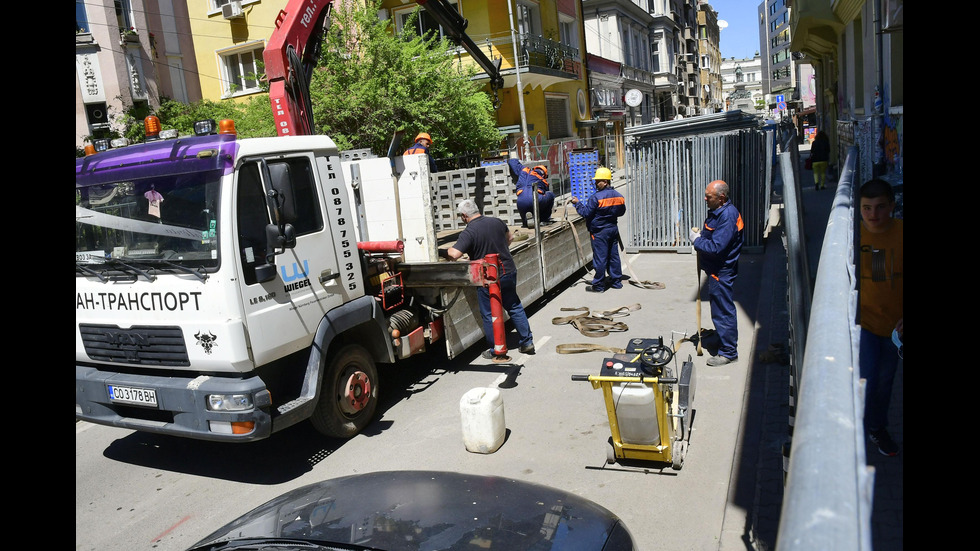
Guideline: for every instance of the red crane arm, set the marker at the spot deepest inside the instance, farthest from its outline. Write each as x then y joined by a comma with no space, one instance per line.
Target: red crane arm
290,57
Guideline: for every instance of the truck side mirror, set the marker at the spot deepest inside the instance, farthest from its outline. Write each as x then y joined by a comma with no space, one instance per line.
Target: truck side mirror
265,272
278,239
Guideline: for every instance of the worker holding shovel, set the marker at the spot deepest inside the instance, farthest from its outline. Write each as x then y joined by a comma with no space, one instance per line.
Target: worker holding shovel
718,245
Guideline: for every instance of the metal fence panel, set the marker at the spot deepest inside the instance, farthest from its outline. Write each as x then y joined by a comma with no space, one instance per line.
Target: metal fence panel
667,177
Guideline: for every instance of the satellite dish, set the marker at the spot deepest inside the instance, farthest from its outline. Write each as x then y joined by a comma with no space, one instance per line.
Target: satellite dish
722,24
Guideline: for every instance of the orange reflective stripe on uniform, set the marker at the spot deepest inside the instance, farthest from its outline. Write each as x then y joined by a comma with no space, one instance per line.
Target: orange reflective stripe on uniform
716,277
520,191
739,223
612,201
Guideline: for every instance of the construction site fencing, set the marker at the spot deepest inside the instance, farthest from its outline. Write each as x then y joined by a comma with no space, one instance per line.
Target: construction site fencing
668,166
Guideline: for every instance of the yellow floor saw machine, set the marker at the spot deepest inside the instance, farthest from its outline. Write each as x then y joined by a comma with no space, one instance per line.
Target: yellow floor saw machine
649,402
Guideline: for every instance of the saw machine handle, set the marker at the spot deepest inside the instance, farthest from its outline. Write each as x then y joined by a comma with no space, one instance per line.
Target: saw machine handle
657,355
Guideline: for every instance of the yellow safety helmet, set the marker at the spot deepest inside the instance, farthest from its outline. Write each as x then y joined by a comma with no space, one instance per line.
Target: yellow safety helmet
423,135
543,169
603,173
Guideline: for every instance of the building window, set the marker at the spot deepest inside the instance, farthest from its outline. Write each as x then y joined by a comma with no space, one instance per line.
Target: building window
567,30
241,71
655,55
559,116
424,24
81,20
528,20
124,15
628,46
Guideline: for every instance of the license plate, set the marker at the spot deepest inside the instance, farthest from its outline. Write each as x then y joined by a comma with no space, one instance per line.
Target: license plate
131,395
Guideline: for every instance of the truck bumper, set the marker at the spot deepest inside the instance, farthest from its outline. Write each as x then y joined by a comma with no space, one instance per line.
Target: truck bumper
182,405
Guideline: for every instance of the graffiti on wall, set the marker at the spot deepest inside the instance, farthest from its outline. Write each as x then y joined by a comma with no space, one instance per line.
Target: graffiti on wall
555,152
892,138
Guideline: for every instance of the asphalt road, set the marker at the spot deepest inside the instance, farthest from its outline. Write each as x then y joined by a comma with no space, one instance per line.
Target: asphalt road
144,491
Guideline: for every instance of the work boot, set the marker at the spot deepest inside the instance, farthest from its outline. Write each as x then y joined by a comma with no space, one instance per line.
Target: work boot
720,360
527,348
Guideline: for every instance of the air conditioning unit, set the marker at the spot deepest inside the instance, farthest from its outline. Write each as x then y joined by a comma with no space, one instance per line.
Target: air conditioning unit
232,10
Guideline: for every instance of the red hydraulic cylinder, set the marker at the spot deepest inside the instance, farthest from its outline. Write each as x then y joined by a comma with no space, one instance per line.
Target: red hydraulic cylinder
492,271
381,246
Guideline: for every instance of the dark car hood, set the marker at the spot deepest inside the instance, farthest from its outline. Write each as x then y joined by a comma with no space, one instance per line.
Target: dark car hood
429,511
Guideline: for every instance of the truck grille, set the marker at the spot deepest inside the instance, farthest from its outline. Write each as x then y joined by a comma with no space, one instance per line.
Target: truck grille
145,345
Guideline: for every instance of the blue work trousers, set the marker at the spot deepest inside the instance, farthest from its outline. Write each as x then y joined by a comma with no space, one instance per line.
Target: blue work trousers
878,359
721,296
512,305
605,258
546,203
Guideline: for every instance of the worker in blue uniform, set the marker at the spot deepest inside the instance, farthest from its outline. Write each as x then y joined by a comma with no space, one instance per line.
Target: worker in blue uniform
601,211
526,180
422,144
718,244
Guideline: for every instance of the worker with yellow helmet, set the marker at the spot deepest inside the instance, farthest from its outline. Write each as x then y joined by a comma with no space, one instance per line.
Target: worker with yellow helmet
423,141
601,212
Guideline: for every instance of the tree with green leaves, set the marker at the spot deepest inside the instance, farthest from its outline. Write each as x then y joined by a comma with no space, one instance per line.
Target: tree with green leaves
372,81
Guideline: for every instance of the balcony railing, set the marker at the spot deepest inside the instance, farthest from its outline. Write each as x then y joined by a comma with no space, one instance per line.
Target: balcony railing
538,51
638,75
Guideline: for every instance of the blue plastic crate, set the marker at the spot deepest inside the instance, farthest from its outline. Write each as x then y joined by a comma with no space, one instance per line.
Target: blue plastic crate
582,164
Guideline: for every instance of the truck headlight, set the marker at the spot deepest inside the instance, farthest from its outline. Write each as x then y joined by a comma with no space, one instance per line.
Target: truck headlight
229,402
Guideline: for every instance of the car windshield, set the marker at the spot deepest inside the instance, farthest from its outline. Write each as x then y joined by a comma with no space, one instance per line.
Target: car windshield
169,220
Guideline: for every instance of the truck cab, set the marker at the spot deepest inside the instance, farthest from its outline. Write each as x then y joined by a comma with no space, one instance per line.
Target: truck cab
206,266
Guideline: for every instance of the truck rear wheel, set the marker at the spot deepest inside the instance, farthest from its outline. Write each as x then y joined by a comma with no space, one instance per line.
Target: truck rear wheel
348,393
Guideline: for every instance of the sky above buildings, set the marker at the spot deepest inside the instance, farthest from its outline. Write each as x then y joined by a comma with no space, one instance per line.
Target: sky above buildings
740,39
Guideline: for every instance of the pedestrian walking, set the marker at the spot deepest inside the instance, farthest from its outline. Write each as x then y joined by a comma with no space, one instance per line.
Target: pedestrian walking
819,158
601,212
485,235
718,244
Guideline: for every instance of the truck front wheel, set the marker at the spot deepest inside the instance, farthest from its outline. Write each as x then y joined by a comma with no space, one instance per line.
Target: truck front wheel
348,394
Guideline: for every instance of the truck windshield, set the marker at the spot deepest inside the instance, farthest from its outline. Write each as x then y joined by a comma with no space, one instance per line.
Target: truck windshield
171,218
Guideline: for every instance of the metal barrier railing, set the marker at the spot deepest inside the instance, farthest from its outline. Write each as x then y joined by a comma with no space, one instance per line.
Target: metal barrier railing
828,494
667,177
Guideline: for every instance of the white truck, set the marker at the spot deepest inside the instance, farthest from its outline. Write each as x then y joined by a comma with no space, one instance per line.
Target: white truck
228,288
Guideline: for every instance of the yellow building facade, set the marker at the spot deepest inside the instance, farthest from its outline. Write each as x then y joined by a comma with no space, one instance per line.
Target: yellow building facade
229,37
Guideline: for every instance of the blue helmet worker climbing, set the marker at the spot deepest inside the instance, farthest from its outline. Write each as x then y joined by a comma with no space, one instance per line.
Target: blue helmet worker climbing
526,180
601,212
423,141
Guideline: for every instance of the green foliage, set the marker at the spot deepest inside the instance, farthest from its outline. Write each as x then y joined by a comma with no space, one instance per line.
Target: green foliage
371,81
253,117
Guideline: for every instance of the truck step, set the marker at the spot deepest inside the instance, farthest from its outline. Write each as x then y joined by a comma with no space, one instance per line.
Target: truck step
291,405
